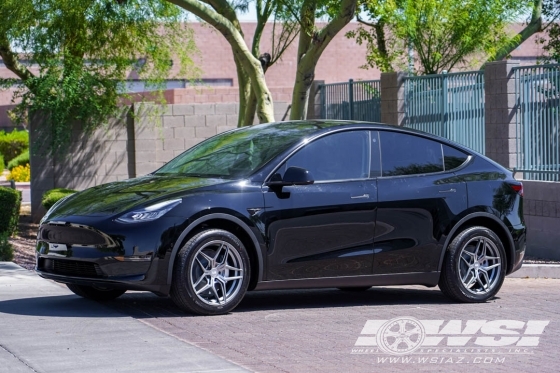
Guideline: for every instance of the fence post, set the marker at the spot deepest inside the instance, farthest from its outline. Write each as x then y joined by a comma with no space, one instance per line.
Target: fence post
351,98
444,103
500,112
392,98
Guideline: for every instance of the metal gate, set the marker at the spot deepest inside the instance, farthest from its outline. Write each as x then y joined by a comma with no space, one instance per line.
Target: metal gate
359,100
537,94
448,105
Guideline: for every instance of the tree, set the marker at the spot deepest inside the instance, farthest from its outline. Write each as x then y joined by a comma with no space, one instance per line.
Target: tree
79,53
442,33
221,14
312,44
551,11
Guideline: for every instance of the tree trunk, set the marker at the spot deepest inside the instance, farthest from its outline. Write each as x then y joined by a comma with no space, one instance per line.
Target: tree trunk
300,95
532,28
244,93
250,64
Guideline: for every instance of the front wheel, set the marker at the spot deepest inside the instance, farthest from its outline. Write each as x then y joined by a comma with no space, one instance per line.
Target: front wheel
474,267
211,273
95,293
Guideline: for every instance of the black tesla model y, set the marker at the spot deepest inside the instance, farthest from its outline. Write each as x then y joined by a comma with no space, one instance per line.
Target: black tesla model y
305,204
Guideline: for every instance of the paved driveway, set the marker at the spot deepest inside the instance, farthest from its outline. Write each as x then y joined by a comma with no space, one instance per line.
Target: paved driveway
318,330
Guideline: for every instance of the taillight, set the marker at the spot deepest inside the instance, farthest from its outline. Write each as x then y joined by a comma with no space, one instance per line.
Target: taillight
518,187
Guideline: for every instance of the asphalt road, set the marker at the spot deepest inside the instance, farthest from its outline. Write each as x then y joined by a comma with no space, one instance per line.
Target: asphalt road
45,328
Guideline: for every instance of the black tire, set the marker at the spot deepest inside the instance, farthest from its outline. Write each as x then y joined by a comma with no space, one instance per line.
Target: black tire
474,266
226,271
95,293
355,288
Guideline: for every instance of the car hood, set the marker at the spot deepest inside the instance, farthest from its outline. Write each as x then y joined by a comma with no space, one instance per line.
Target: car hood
118,197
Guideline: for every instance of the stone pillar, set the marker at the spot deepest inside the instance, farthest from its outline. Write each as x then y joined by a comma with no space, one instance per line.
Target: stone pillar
314,103
499,112
392,98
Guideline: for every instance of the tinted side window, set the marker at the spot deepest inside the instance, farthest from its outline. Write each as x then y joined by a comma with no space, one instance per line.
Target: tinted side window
403,154
339,156
453,158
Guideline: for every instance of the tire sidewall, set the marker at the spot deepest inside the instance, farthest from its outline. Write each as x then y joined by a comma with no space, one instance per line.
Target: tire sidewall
185,262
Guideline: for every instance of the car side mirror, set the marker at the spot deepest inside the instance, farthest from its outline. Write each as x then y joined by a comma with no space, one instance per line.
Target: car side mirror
292,176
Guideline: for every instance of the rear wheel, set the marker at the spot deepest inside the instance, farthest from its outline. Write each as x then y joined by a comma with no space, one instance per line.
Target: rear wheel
211,273
95,292
474,266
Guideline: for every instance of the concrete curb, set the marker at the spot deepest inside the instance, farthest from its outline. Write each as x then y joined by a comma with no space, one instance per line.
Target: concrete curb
537,271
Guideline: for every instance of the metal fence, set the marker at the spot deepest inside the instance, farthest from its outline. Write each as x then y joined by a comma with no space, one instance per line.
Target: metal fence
360,100
537,94
448,105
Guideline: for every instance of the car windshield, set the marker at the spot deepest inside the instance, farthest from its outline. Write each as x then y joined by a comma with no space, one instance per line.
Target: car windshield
238,153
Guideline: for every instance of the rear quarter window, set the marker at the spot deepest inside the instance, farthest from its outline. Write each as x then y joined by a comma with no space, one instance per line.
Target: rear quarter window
453,158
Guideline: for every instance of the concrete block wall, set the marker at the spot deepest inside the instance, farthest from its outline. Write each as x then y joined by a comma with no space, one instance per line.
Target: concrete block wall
142,138
541,209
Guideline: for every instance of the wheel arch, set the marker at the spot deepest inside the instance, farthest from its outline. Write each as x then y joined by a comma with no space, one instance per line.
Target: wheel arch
486,220
231,224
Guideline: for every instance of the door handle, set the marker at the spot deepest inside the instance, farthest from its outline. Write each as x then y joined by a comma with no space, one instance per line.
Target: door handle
362,196
452,190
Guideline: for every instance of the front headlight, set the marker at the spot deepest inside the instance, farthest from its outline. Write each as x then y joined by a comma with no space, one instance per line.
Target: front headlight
149,213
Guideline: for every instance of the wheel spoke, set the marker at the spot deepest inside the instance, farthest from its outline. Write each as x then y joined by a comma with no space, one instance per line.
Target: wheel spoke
233,268
466,275
486,268
471,282
227,279
215,292
202,277
208,259
218,252
201,265
484,274
204,288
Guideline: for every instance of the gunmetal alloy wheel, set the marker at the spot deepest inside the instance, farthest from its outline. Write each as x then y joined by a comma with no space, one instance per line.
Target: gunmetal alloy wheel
216,273
474,266
211,273
479,267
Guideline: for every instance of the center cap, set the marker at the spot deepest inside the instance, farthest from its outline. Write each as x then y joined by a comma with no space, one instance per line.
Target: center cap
476,265
214,272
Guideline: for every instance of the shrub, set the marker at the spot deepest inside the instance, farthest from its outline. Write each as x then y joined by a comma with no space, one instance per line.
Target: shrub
13,144
2,164
52,196
10,203
6,248
20,174
20,160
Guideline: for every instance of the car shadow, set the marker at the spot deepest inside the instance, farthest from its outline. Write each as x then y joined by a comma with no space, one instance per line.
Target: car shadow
147,305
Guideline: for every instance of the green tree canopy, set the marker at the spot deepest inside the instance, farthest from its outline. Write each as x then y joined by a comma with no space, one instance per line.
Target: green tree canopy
442,33
77,54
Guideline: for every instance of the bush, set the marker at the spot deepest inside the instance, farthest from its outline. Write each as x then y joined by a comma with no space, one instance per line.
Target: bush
2,164
6,248
10,203
13,144
52,196
20,160
20,174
